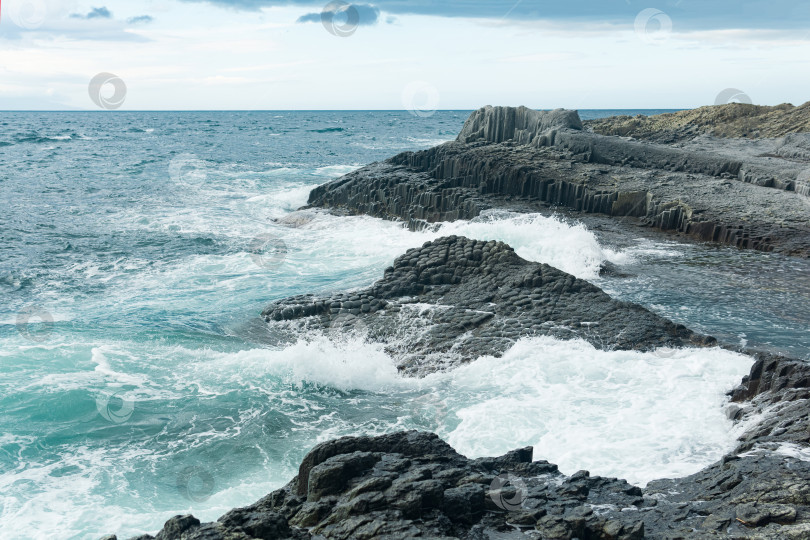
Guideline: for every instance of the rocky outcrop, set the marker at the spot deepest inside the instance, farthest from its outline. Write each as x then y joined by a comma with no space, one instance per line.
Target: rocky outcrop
524,160
412,484
563,128
778,389
731,120
456,299
520,124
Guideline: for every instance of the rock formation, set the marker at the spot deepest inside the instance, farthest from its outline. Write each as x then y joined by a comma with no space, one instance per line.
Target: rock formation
525,160
412,484
465,298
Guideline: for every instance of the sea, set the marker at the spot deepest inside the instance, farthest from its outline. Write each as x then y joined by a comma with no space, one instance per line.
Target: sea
137,250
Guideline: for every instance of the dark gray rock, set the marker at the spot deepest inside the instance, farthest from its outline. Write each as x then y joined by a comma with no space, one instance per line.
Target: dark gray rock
521,124
524,160
412,484
482,298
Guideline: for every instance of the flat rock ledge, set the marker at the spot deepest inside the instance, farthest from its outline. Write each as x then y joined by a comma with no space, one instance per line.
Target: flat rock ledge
752,194
455,299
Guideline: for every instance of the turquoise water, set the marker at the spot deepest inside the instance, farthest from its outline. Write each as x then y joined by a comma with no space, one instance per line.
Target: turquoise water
135,382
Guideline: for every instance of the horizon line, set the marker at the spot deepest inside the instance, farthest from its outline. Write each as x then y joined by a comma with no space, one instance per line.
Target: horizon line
336,110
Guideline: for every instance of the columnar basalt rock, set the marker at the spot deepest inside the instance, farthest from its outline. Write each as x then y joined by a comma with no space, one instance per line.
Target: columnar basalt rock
518,159
478,298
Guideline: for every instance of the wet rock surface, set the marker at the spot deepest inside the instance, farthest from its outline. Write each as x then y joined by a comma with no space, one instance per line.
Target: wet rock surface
413,485
456,299
530,161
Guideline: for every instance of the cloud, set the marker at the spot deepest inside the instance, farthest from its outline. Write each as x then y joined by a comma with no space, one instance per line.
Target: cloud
140,19
685,14
368,15
95,13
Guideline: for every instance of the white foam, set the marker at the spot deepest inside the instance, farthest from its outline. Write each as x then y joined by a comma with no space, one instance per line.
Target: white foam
334,171
571,247
345,364
633,415
794,450
618,413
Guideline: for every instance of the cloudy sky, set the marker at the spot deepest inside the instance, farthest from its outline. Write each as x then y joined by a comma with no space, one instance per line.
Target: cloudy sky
456,54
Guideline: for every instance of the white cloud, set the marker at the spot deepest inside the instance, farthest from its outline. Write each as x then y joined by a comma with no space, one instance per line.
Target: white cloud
195,56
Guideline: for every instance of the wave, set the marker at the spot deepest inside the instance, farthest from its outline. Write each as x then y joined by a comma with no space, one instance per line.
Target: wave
626,414
327,130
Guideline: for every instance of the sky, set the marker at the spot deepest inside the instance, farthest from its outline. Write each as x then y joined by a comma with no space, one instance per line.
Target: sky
400,54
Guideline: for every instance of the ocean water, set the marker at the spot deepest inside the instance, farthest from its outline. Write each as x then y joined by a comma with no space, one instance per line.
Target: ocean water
137,249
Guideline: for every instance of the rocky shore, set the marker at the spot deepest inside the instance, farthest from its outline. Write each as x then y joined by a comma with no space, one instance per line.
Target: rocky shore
747,193
414,485
455,299
482,297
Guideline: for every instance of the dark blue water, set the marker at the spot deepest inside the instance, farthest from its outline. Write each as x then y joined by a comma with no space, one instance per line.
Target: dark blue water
132,387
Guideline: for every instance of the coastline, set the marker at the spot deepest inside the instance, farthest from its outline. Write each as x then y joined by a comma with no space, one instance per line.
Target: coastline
407,484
